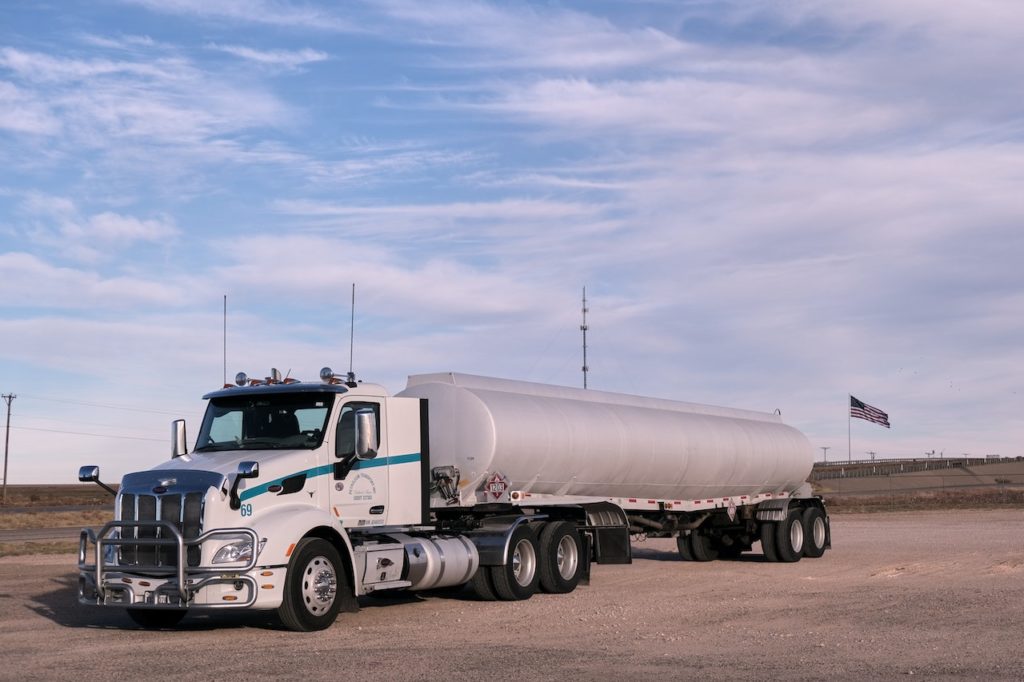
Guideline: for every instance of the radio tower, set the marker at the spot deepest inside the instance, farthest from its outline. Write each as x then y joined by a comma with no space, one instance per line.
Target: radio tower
583,328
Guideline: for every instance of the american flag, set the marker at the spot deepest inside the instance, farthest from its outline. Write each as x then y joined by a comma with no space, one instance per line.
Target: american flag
862,410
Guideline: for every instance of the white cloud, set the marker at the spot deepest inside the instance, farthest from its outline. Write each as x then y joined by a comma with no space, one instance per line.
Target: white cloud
105,103
270,12
529,37
112,227
22,112
31,282
58,224
289,59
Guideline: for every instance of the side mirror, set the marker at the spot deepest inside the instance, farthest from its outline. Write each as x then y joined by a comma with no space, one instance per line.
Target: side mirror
91,474
249,470
366,434
245,470
179,446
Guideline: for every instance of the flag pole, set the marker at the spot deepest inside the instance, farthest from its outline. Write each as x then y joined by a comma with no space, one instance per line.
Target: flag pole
849,448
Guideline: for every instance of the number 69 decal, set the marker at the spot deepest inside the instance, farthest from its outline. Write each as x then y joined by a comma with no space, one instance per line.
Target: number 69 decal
246,510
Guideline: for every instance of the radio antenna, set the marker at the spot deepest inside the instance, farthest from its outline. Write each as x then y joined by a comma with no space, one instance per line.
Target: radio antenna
583,328
352,339
225,339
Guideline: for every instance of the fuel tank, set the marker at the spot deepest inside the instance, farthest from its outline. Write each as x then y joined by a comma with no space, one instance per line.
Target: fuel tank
568,441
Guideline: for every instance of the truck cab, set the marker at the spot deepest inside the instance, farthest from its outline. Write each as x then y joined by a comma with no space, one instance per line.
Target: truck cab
275,462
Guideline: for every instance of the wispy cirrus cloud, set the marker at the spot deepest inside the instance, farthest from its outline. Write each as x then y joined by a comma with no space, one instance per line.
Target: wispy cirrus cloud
268,12
288,59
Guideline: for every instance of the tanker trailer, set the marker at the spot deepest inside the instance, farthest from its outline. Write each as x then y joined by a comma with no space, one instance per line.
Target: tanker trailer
300,497
717,478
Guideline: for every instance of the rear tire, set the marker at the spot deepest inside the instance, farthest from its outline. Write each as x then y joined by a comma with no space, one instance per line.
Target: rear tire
560,557
314,587
483,585
789,537
517,579
768,532
703,547
156,619
815,532
685,548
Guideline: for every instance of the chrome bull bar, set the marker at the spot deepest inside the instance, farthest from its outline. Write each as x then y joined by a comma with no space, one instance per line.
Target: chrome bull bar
200,576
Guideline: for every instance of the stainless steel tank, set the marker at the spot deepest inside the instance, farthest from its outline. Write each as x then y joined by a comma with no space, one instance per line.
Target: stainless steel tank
568,441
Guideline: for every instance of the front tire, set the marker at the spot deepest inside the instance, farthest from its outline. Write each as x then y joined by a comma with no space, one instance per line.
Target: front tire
156,619
314,587
560,557
517,579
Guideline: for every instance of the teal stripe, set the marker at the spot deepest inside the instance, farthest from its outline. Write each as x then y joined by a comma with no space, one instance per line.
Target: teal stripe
387,461
328,468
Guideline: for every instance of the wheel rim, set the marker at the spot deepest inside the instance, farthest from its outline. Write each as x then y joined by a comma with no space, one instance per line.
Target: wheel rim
524,562
567,557
319,585
796,536
818,532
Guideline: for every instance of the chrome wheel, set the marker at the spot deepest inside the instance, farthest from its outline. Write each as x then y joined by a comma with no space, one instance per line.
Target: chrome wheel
319,585
524,562
796,536
567,557
818,532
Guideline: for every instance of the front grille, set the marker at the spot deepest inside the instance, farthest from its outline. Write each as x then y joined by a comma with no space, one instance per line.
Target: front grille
185,511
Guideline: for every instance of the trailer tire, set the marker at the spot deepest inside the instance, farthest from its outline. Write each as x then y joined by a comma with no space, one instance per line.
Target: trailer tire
789,537
156,619
815,532
768,532
517,579
685,548
703,547
560,557
314,587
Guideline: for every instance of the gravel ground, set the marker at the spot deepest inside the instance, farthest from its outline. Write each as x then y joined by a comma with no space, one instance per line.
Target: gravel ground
933,594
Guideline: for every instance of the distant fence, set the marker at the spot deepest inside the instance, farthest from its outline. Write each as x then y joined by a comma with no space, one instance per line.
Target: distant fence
887,467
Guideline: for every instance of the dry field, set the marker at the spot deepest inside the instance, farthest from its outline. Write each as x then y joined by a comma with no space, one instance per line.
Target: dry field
934,594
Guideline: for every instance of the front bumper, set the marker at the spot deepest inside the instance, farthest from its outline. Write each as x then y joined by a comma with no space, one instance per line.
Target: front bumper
172,585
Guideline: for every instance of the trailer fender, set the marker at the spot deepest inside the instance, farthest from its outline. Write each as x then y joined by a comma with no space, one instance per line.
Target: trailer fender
773,510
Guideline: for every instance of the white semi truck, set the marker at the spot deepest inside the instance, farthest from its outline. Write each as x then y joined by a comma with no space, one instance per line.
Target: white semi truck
300,497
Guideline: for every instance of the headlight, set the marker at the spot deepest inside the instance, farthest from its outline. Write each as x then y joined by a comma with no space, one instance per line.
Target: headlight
239,551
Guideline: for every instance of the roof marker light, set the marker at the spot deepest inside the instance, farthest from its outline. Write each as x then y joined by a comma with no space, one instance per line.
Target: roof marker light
241,379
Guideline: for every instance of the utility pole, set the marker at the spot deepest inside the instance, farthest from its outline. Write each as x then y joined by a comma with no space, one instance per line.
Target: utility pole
7,438
872,453
824,452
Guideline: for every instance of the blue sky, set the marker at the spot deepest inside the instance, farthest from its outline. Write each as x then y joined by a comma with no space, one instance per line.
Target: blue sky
772,205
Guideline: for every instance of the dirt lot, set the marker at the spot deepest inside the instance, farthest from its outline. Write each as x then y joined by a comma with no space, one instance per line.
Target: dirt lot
938,594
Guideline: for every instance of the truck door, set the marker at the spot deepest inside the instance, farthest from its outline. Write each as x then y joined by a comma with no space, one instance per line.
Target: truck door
359,489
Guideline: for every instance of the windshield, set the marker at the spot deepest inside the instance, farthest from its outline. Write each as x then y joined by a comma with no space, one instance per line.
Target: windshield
265,422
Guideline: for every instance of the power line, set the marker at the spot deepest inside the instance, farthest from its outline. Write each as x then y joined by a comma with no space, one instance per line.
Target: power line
81,433
101,405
